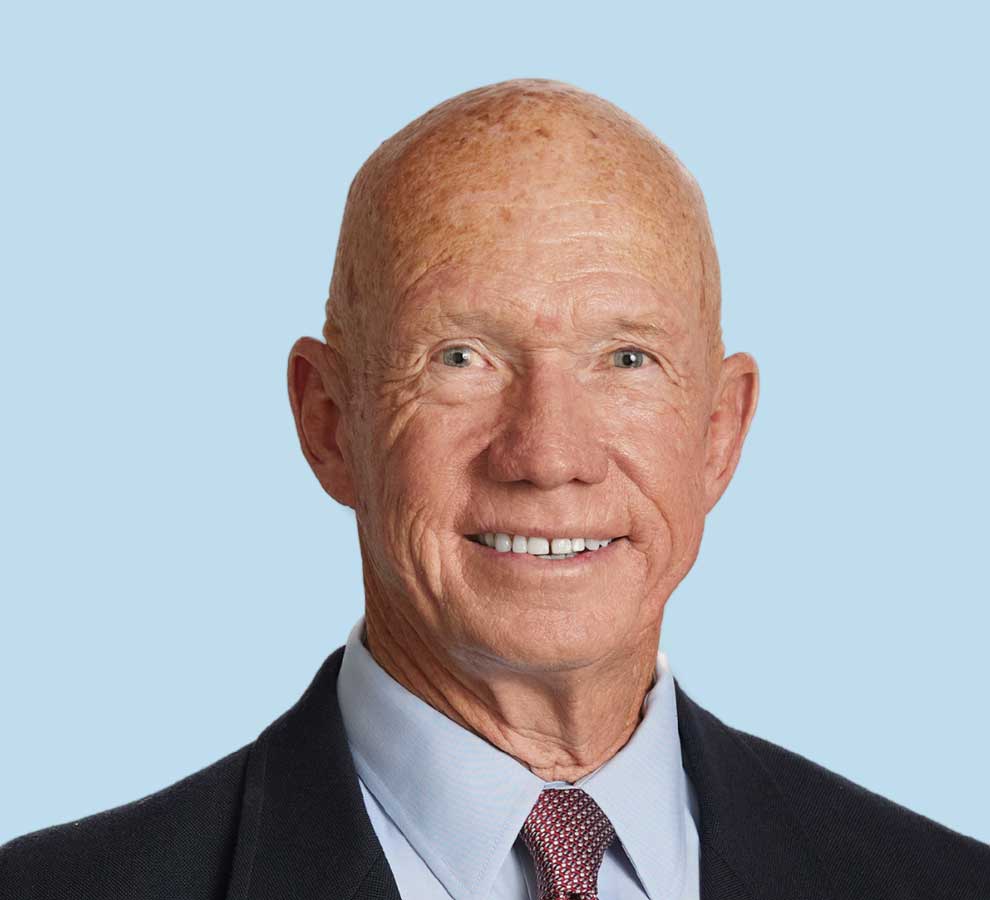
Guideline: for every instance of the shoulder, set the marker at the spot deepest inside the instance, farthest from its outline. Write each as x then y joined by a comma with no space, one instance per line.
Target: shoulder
871,845
175,842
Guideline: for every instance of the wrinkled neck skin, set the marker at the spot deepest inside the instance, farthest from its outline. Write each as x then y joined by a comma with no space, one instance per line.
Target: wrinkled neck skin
561,725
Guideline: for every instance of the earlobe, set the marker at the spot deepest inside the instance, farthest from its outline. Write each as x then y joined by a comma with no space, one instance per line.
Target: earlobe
318,418
735,405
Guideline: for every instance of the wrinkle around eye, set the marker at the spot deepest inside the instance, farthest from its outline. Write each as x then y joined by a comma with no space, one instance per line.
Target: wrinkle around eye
661,361
431,361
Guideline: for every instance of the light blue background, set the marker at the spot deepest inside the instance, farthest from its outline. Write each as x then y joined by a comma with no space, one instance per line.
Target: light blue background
172,575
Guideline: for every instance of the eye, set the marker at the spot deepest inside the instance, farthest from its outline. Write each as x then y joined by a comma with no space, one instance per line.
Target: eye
458,356
630,355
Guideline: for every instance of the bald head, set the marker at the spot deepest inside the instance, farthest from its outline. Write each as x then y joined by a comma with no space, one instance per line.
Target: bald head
536,142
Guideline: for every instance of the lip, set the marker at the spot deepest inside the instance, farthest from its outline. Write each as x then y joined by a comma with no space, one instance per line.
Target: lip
550,529
528,562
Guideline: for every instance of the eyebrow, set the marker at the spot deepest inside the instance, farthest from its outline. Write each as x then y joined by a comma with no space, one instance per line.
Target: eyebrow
644,327
651,327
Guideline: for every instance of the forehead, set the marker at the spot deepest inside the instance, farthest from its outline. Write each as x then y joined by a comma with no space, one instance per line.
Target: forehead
545,255
543,266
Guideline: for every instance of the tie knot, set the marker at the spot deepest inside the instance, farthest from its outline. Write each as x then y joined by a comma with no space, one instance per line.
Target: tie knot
567,833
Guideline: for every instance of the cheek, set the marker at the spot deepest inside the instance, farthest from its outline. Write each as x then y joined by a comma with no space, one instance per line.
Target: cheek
662,440
415,485
660,448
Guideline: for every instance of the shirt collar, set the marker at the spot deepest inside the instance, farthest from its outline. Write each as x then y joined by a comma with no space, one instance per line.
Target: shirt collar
460,801
644,792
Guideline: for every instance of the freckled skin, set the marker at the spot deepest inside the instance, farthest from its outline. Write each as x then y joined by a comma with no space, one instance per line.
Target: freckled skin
513,223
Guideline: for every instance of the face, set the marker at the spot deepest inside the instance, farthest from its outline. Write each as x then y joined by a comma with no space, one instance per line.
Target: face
538,368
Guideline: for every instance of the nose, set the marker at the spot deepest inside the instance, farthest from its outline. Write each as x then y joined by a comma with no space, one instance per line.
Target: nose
549,435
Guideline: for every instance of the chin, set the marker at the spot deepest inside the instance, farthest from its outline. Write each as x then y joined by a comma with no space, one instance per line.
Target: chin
548,640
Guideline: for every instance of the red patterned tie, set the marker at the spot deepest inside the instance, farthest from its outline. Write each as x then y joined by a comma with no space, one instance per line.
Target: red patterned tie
567,833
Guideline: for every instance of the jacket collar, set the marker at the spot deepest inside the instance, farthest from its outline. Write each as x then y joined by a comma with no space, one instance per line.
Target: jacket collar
304,832
752,846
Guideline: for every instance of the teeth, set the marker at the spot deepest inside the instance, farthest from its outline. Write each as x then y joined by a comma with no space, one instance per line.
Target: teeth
548,548
537,546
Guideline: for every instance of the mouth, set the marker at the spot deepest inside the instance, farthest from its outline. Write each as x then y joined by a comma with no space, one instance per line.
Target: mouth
519,549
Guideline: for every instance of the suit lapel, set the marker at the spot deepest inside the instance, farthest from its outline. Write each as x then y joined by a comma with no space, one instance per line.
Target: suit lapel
304,832
752,847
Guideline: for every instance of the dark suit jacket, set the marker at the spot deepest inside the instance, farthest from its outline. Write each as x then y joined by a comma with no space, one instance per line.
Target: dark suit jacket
283,819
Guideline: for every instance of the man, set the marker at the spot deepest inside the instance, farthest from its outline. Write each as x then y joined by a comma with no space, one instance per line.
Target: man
523,396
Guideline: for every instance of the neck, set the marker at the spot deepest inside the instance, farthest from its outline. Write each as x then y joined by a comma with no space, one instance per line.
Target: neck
561,725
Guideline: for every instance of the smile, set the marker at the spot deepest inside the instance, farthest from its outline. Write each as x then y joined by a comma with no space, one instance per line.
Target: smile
541,547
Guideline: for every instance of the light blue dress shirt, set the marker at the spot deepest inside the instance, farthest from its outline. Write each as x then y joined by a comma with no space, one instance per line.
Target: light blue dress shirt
447,806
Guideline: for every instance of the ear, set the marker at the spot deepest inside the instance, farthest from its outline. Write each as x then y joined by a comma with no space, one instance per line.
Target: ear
735,403
314,382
